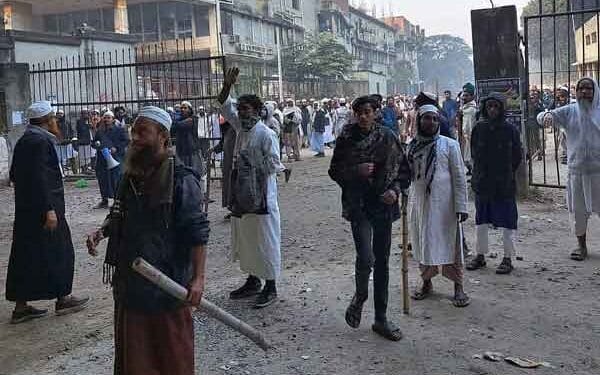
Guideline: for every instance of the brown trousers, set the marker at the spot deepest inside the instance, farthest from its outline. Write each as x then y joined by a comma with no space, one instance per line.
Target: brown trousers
154,344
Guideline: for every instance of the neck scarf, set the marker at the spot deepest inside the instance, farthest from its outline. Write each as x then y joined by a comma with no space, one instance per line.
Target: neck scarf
248,123
422,156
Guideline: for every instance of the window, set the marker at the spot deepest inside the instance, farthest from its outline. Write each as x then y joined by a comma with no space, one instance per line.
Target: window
594,37
51,23
296,4
183,16
587,40
150,24
167,20
201,21
134,15
226,23
108,18
94,18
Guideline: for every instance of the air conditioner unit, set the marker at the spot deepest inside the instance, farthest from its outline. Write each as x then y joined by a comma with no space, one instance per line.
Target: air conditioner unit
234,39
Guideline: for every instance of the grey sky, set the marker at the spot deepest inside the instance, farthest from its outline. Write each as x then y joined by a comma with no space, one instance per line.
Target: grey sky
439,16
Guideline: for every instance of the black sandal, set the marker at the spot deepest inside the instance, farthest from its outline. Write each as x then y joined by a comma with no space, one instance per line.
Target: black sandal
579,254
505,267
387,330
354,311
476,263
421,294
464,301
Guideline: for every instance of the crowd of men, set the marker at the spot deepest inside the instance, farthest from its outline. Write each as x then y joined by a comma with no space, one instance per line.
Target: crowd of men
383,150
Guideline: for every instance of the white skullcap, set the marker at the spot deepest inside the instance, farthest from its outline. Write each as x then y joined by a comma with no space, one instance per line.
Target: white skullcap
108,113
342,100
170,109
60,111
39,109
325,100
156,114
428,108
186,103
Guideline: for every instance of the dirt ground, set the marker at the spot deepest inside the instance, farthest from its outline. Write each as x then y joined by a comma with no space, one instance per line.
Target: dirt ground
548,309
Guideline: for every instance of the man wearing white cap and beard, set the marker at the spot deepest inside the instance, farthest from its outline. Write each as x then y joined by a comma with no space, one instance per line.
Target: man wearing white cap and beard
42,257
115,139
158,216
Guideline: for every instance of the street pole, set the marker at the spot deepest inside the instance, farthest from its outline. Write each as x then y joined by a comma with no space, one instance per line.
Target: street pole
218,18
279,68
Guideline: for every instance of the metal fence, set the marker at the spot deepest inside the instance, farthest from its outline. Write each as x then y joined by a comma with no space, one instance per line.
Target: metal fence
162,74
561,41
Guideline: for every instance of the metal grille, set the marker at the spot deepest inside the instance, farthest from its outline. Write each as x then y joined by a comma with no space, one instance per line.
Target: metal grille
162,74
561,39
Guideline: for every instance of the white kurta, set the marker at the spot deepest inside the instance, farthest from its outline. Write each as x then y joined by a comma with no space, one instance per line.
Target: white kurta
256,239
469,111
328,135
432,219
582,129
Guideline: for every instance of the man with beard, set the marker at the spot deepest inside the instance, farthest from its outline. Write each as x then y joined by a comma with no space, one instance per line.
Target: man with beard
306,115
369,165
581,123
343,115
158,216
562,99
320,121
41,260
66,152
446,128
438,199
255,222
113,140
496,152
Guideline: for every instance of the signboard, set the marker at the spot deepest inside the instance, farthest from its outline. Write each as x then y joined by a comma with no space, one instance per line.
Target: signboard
509,87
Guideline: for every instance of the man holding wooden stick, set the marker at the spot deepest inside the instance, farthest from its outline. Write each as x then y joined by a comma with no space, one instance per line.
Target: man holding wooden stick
157,216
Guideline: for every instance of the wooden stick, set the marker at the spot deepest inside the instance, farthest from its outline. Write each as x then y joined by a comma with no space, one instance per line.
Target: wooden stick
172,288
207,195
405,296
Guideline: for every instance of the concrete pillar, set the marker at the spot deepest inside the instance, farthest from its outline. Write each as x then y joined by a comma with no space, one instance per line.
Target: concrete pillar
7,10
121,18
213,29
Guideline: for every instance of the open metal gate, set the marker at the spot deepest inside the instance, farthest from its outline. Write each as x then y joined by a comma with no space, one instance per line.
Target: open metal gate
163,74
562,45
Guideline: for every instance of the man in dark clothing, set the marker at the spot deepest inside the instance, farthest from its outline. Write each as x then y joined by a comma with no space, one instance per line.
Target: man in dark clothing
450,106
496,152
320,121
306,114
121,116
157,216
109,140
226,146
187,142
84,139
369,165
42,257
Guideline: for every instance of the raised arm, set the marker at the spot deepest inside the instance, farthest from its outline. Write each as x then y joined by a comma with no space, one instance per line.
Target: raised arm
228,106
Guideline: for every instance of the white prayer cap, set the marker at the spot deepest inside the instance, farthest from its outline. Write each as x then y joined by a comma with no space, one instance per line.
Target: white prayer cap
39,109
60,111
156,114
325,100
342,100
109,113
428,108
186,103
170,109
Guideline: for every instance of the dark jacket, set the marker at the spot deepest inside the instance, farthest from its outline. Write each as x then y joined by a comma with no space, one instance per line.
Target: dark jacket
84,135
362,198
320,121
116,137
496,152
186,136
163,235
41,262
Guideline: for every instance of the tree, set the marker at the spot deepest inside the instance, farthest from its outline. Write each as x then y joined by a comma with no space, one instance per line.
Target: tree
321,56
445,62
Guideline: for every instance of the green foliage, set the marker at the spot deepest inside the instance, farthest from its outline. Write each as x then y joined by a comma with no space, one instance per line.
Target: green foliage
320,56
445,62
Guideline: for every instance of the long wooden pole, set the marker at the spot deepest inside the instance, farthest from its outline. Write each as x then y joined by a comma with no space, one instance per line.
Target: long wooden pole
405,295
172,288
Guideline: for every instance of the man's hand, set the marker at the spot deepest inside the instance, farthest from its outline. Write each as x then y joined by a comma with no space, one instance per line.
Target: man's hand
229,79
462,216
113,150
390,197
92,242
195,291
366,170
51,221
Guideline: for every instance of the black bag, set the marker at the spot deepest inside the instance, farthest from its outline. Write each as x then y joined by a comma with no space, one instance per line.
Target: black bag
249,187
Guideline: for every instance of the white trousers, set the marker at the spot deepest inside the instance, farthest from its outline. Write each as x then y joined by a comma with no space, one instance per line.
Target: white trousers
483,241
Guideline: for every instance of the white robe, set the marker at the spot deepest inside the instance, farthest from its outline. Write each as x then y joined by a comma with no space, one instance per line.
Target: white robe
256,239
469,111
582,129
432,219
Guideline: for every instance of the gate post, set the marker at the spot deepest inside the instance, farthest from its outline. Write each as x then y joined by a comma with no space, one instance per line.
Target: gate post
15,97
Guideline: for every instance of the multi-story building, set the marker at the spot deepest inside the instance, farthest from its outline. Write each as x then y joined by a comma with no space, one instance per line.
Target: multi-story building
379,46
